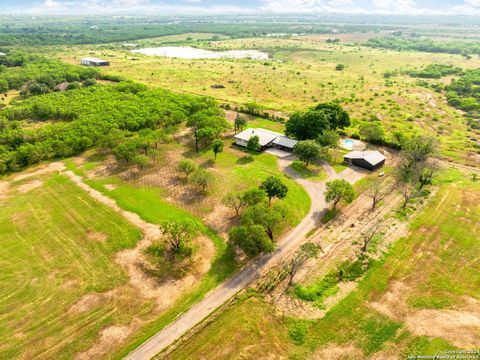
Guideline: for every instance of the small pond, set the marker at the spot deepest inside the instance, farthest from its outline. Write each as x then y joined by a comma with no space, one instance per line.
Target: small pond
185,52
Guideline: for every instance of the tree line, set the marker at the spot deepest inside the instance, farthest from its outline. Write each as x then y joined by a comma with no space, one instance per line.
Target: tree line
427,45
113,115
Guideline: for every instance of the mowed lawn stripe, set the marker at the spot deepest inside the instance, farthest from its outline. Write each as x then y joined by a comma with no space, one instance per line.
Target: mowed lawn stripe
50,261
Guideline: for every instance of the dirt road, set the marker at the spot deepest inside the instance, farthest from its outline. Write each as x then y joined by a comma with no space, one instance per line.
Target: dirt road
244,278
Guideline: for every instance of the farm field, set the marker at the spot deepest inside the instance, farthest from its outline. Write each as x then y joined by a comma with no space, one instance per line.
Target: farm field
301,74
60,283
421,299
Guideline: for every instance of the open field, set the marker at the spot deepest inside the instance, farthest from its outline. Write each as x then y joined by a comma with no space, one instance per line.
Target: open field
421,299
301,74
60,283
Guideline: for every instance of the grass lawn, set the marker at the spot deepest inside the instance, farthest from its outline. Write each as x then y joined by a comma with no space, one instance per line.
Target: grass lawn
436,269
57,245
238,170
312,172
242,331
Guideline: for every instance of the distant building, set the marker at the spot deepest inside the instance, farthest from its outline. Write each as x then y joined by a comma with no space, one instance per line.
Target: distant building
2,54
266,138
370,160
94,62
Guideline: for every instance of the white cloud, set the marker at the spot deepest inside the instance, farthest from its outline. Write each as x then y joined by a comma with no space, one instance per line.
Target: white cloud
198,7
52,4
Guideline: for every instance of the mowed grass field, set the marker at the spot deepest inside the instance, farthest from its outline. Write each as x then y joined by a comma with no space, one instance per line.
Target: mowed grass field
301,74
56,246
421,299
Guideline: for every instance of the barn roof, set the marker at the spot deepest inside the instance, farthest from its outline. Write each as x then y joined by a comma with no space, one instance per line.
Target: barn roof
372,157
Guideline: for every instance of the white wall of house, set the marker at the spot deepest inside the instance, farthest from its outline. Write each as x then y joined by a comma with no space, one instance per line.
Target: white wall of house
241,142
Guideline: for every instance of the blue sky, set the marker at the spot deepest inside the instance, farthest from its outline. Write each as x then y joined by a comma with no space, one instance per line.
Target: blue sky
202,7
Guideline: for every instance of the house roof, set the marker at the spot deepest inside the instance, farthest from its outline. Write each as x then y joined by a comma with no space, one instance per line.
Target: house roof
265,136
372,157
285,141
93,59
2,54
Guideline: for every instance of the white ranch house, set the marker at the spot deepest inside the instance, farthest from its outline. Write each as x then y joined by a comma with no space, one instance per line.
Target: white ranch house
266,138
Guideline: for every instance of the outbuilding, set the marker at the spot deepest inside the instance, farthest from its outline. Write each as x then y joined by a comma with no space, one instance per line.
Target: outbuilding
370,160
94,62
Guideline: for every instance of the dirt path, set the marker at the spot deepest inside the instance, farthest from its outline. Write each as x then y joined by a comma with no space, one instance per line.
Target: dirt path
245,277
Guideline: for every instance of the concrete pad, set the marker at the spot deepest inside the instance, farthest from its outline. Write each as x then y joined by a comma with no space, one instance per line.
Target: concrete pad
278,153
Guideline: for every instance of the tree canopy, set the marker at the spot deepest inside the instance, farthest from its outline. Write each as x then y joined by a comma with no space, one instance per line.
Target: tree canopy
339,189
310,124
274,188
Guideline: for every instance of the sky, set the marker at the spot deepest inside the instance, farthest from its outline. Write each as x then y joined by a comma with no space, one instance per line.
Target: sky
205,7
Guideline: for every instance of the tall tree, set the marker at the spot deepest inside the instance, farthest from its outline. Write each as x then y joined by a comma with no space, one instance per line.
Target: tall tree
234,200
310,124
251,239
274,188
217,147
376,191
372,132
308,150
186,167
202,178
270,218
179,232
239,123
338,190
328,138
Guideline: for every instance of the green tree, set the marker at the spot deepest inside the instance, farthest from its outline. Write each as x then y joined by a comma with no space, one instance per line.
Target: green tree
202,178
310,124
337,190
125,151
240,123
308,150
217,147
274,188
339,67
234,200
206,135
270,218
179,233
207,125
3,85
112,139
254,196
372,132
251,239
253,143
186,167
328,138
141,161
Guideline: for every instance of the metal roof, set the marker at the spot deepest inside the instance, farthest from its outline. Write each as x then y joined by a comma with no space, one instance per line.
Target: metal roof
285,141
265,136
372,157
93,59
